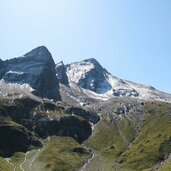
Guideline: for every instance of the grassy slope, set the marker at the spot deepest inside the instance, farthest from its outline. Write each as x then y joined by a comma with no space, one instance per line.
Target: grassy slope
110,139
59,155
151,145
4,165
166,165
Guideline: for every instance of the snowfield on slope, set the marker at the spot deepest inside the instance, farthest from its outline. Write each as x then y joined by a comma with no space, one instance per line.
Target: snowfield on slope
88,71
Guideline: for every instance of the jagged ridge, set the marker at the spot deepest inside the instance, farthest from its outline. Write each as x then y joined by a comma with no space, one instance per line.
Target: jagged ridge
36,69
90,75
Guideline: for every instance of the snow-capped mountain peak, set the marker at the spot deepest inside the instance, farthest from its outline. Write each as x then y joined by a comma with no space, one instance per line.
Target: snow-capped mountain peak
90,75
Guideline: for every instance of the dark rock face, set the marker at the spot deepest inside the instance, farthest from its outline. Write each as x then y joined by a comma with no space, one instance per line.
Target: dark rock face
95,79
125,92
23,112
20,110
37,69
16,138
2,69
66,126
61,73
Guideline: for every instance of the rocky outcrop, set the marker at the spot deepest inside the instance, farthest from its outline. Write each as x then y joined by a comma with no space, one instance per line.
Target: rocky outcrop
91,117
16,138
61,73
2,69
125,92
13,136
35,68
45,119
69,126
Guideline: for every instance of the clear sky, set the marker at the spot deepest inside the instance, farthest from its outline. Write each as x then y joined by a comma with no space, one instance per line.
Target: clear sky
130,38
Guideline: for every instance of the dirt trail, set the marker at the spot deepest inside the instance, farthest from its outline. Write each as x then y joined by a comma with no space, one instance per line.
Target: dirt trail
25,159
9,161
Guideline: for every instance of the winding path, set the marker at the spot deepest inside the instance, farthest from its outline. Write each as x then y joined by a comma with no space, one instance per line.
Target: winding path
9,161
93,152
25,159
31,163
89,160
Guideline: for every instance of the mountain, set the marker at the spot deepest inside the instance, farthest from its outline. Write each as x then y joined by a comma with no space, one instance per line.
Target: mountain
90,75
35,69
36,73
79,117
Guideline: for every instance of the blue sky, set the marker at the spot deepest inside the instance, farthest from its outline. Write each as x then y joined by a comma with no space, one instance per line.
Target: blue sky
130,38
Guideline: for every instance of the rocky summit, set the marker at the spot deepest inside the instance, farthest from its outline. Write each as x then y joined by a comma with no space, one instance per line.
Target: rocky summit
36,68
90,75
79,117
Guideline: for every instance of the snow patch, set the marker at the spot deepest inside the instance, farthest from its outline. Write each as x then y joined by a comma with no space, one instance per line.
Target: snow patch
15,72
14,89
77,71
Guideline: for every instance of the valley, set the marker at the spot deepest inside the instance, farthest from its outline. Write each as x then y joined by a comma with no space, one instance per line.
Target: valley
78,117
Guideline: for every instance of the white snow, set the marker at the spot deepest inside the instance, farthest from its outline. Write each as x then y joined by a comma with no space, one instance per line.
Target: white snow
8,89
77,71
111,85
15,72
